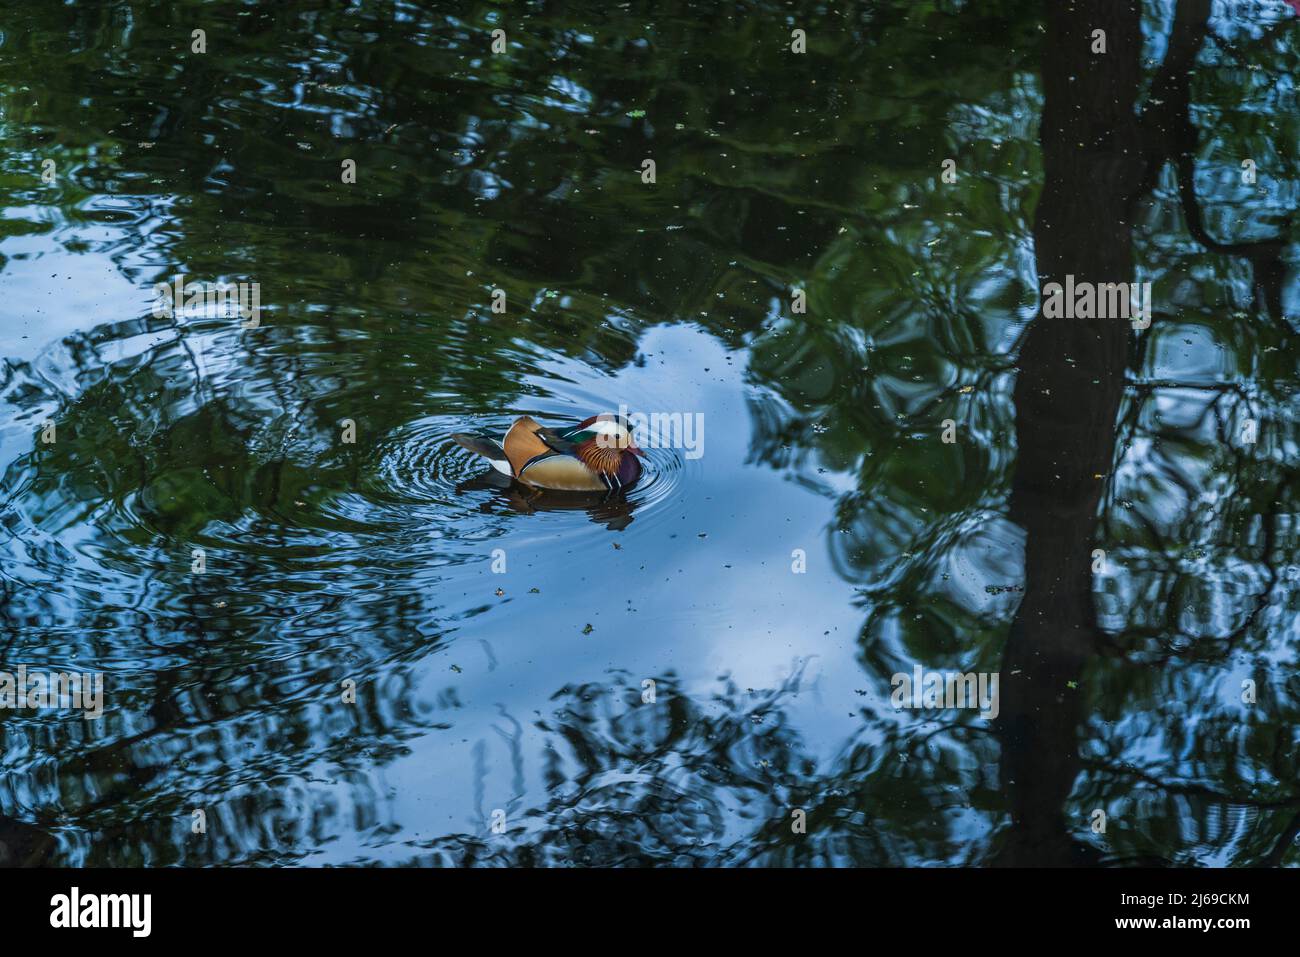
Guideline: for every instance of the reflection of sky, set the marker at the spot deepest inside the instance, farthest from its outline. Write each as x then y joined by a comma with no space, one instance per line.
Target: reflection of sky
666,601
47,292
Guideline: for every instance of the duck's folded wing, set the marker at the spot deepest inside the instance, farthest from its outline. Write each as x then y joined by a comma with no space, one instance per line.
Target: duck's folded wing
522,444
556,441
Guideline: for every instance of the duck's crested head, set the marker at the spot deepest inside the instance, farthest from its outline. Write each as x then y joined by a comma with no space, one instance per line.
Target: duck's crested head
606,446
611,431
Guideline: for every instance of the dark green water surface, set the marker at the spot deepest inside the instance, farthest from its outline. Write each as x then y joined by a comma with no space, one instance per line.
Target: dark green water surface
826,539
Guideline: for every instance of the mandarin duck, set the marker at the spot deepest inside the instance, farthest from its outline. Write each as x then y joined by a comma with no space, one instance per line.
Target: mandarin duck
596,455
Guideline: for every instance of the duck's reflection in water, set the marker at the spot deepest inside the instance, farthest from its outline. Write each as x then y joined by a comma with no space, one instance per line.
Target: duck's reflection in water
611,509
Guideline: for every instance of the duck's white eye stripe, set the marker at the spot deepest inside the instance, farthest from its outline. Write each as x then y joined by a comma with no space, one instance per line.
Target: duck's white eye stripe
606,428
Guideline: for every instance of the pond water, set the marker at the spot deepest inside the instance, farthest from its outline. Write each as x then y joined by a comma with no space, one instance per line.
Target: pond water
319,626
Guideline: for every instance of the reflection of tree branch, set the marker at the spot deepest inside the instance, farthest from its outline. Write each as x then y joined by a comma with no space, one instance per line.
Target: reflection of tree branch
1164,128
1268,516
1169,628
1279,29
1284,842
1195,217
1169,133
1264,255
1189,790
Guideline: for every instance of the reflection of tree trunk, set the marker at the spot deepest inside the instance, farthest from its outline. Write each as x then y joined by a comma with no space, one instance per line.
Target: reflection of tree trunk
1067,395
1099,156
